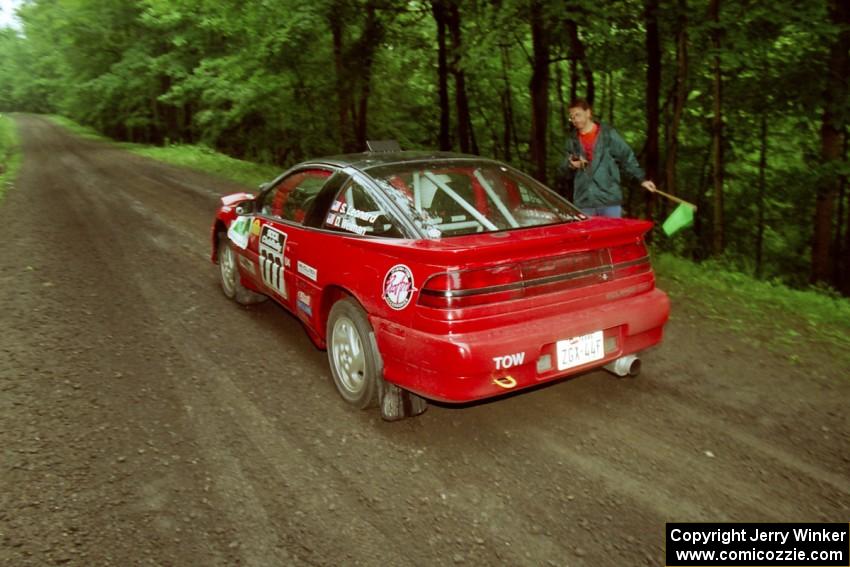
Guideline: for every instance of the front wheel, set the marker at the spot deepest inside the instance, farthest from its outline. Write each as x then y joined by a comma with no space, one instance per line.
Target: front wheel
230,282
353,361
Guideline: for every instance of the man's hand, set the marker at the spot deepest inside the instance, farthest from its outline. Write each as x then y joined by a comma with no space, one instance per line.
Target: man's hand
577,162
649,186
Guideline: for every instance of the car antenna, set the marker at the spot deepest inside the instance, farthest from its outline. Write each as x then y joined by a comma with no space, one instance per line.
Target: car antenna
383,146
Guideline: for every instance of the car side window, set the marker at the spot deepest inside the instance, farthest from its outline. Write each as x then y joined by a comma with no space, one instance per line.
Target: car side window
355,211
292,198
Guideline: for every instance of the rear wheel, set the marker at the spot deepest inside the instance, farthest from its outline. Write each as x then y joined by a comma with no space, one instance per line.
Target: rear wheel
230,282
351,354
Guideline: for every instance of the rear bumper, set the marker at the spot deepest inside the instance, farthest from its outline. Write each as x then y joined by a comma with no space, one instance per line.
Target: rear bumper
466,366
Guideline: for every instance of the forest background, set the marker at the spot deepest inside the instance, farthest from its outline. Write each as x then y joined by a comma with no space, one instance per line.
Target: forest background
740,107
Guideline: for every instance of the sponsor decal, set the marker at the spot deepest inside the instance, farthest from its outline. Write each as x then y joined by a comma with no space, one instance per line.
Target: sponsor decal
304,302
509,361
238,231
345,223
398,286
308,271
362,215
346,217
247,265
255,227
349,224
272,247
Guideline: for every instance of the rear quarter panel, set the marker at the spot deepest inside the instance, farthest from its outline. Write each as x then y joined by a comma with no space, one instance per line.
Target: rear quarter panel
329,264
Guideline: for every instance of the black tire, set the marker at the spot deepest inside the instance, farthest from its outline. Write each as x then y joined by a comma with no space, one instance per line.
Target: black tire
229,275
355,366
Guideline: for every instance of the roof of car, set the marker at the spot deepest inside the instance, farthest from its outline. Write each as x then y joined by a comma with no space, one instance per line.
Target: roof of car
368,160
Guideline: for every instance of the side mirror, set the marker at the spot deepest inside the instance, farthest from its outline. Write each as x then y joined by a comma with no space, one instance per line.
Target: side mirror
245,208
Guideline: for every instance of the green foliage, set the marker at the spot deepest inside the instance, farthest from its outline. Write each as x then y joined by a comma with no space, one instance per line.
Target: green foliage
10,153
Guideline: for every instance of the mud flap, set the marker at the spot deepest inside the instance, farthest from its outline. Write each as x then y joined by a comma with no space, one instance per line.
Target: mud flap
397,403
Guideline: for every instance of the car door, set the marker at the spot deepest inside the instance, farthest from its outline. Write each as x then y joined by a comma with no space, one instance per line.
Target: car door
331,252
276,231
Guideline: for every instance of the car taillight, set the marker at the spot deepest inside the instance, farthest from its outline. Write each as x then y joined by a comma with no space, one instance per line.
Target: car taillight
630,259
535,271
465,288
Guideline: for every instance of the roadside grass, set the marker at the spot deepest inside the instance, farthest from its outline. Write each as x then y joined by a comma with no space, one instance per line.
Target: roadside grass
193,156
80,130
208,160
10,153
797,325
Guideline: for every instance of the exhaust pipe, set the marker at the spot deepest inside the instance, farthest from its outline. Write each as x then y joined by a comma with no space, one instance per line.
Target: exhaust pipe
628,365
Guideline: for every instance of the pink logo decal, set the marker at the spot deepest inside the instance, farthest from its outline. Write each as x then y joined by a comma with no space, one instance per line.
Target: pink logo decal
398,286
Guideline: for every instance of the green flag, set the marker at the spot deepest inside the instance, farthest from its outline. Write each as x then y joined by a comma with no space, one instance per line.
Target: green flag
680,218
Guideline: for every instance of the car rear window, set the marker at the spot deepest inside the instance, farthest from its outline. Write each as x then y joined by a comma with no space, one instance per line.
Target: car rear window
464,197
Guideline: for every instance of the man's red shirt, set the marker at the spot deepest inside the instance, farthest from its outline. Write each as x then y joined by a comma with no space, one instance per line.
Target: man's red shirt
589,140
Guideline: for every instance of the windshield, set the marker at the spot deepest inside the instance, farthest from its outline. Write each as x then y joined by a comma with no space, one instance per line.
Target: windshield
458,197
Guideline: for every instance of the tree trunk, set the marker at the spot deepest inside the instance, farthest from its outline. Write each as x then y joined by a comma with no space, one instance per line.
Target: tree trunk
464,123
703,249
761,193
679,100
371,38
473,142
573,78
506,126
562,104
187,117
438,8
653,90
844,281
539,87
844,256
335,19
507,106
611,95
577,54
832,140
717,241
841,262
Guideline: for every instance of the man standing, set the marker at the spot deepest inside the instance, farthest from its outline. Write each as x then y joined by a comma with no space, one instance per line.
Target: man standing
596,153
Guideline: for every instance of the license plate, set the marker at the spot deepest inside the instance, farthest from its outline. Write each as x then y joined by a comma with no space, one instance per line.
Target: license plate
580,350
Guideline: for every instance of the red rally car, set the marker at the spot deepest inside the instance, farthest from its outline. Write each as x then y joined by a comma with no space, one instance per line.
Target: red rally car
440,276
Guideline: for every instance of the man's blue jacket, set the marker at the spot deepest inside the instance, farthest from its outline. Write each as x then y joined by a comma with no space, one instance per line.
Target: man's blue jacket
598,185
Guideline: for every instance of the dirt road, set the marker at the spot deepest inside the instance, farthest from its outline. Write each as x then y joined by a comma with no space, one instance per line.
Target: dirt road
146,419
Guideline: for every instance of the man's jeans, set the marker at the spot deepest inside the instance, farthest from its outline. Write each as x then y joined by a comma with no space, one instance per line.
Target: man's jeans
615,211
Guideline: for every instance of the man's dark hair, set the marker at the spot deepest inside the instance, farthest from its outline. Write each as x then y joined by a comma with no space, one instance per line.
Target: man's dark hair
580,103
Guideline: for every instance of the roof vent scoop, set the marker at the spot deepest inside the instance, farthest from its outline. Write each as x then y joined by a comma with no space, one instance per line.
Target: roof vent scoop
383,146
